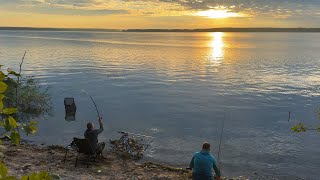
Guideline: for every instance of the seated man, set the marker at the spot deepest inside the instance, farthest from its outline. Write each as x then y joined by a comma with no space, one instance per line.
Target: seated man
202,163
92,135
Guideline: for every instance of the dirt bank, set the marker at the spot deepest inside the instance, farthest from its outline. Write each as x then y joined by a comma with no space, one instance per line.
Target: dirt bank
26,158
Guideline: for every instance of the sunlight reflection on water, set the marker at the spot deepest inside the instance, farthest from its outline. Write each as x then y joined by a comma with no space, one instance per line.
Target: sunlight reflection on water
217,47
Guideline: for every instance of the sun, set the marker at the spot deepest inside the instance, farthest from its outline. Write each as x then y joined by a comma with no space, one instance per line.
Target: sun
212,13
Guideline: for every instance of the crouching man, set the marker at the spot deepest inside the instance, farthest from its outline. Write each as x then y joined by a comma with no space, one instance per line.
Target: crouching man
202,163
92,135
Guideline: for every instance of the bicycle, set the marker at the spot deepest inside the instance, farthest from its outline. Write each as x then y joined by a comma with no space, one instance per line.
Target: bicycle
131,145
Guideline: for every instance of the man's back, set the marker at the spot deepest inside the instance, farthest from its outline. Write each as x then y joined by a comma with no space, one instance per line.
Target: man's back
203,162
92,135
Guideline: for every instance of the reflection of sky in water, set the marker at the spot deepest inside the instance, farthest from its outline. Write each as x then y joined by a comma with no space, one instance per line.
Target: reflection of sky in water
177,86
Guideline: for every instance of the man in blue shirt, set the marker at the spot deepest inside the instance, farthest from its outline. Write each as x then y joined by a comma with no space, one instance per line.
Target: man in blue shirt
202,163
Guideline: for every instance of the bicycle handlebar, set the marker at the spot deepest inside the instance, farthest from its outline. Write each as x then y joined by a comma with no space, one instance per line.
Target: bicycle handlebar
122,132
127,133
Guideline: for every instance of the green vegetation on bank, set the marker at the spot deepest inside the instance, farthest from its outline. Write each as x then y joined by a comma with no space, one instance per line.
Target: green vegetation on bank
20,99
8,113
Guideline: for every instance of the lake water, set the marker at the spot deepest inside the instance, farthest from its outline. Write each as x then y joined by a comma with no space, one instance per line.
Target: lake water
179,88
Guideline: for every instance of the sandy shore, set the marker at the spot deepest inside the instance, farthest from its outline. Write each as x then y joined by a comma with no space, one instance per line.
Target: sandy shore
26,158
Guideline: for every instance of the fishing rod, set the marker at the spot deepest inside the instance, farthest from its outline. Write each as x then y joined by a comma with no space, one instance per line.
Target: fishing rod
94,103
218,160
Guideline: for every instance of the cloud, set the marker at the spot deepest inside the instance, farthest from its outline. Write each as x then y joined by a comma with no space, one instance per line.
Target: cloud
264,8
284,8
204,4
61,7
76,3
81,12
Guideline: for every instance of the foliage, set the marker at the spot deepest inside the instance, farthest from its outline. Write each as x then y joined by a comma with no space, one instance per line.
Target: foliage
3,87
31,100
300,127
7,114
37,176
3,171
33,176
21,98
30,128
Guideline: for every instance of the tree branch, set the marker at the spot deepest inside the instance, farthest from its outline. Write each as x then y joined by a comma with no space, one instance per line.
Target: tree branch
18,84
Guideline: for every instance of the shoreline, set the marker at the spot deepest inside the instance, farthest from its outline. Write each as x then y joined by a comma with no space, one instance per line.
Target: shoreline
27,158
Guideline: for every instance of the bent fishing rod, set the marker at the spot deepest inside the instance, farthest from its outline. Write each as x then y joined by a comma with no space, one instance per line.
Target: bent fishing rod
94,103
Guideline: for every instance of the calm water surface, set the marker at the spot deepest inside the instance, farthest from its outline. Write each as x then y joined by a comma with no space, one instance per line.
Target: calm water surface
179,87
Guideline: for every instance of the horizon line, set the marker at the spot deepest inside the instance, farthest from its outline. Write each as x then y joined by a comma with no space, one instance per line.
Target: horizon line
218,29
28,27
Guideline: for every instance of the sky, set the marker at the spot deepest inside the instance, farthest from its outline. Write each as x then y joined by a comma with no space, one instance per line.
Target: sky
182,14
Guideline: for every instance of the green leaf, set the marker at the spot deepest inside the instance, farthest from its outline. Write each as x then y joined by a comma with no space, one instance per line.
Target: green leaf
2,76
3,87
1,102
10,71
299,128
12,122
30,128
37,176
3,171
9,111
44,175
6,124
9,178
15,137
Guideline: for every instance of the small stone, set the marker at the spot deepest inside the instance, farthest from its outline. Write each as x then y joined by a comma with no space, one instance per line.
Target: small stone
26,167
55,176
2,148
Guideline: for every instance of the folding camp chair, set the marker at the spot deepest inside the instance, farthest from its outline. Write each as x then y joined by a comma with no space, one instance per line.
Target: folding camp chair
82,146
